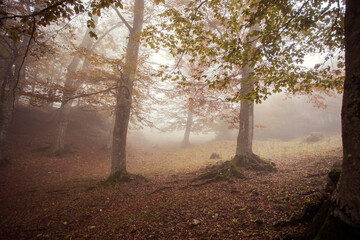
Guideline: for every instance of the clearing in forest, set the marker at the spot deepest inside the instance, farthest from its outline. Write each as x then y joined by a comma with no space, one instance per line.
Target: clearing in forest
44,197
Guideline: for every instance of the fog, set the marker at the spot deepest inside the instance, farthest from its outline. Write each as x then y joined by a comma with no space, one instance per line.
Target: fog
281,117
175,119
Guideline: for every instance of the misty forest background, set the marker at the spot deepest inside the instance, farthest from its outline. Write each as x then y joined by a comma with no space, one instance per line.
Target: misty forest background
173,120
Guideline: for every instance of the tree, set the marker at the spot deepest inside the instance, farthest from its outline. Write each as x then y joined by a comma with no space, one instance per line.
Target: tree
218,33
246,115
318,26
13,48
345,210
124,93
20,23
70,88
194,106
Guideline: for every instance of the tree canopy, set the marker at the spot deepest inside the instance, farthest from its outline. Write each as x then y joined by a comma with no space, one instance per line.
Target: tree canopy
216,33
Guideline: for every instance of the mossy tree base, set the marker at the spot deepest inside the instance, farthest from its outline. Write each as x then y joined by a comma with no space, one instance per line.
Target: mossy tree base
254,162
219,172
333,229
122,177
325,226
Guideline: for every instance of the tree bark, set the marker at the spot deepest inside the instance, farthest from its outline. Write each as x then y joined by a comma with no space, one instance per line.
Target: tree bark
70,87
10,68
189,122
124,93
342,220
6,108
347,195
246,117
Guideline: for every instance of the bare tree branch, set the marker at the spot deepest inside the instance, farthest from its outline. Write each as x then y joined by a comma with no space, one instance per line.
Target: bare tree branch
23,60
91,94
13,16
122,18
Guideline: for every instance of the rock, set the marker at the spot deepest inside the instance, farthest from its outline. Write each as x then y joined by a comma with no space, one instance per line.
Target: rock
215,156
195,222
314,137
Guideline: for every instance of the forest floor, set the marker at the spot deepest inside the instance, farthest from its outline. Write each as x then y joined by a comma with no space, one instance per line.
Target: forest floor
43,197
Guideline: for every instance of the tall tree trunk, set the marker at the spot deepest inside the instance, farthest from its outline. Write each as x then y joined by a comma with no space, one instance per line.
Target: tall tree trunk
6,108
10,71
246,117
189,122
124,93
347,196
343,219
70,87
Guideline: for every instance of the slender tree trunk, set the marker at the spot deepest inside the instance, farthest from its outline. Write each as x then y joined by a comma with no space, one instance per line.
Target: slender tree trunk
6,108
11,71
246,117
9,75
189,122
124,93
70,87
347,195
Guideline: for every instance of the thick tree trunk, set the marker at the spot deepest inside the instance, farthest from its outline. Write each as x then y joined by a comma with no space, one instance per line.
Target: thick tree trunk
246,117
70,87
189,122
343,219
347,195
124,93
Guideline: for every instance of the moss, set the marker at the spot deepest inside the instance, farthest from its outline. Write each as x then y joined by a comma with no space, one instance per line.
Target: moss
327,227
254,162
334,229
121,177
334,175
219,172
118,177
317,221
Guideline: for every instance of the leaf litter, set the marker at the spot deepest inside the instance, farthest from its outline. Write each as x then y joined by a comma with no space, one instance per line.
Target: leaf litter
71,203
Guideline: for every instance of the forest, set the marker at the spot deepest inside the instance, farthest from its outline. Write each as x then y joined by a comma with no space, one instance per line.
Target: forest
180,119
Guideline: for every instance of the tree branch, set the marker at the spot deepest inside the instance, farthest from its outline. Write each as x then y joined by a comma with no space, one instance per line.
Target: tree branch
90,94
12,16
122,18
189,30
23,60
103,36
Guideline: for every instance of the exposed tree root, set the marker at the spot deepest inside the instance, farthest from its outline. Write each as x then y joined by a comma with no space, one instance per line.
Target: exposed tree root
219,172
160,189
324,225
307,214
123,176
254,162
